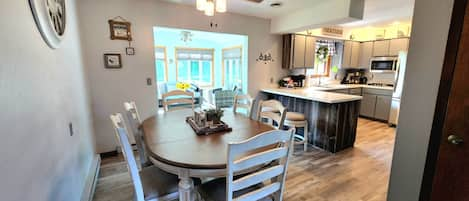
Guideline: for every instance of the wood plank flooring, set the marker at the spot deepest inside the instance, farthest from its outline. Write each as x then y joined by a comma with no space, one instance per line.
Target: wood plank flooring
357,174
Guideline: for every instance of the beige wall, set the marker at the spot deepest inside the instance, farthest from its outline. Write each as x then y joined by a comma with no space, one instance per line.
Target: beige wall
425,60
110,88
41,91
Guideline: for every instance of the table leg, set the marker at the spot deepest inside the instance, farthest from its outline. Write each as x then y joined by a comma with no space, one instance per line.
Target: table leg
186,186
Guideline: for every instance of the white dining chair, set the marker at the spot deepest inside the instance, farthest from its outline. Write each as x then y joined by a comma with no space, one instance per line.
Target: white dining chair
177,99
150,183
135,122
267,183
272,111
245,103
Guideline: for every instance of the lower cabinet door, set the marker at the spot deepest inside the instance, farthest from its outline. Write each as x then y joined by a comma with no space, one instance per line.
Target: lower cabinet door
383,107
368,105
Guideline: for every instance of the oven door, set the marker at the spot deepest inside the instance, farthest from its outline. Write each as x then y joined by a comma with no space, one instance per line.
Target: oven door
383,64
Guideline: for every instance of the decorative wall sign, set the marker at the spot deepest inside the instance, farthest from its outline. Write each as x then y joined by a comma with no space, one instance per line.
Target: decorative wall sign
267,57
120,30
51,20
130,51
112,61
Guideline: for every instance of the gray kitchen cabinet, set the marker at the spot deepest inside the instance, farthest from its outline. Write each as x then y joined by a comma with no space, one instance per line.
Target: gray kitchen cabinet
351,54
383,107
368,105
366,52
310,51
381,48
299,48
355,91
341,91
397,45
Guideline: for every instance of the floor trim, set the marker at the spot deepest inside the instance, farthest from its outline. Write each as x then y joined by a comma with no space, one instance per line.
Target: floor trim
92,179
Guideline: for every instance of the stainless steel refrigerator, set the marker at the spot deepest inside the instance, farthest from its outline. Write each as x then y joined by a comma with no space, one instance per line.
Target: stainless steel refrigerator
398,87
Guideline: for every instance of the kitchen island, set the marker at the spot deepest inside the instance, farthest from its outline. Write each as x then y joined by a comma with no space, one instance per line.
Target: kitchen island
332,117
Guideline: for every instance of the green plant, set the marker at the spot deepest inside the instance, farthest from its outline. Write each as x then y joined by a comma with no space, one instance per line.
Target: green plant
214,114
322,53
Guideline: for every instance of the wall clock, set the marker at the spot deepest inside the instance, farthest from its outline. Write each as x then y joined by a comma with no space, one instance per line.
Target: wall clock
51,20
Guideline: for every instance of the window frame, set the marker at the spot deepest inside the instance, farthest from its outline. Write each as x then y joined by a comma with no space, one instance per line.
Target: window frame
165,53
223,61
327,70
212,61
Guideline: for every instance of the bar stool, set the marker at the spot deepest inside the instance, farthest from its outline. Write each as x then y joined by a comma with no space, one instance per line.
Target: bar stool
298,120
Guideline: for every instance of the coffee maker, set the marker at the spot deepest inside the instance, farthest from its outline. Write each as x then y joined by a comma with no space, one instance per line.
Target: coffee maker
354,76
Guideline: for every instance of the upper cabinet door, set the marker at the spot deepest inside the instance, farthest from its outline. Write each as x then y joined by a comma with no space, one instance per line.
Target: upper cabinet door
354,60
398,45
366,52
347,55
310,52
381,48
299,49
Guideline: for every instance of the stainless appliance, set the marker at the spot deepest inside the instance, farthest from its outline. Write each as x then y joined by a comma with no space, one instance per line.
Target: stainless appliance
398,87
383,64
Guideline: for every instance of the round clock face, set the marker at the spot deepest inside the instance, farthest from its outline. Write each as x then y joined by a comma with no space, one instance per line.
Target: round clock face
56,11
51,19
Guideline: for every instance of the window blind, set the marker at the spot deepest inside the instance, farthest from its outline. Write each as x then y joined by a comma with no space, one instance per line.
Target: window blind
194,54
234,53
160,53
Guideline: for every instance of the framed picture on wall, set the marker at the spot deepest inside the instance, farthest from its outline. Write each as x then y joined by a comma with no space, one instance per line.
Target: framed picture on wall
112,61
120,30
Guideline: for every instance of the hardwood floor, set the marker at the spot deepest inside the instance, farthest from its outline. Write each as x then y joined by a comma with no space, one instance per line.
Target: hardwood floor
357,174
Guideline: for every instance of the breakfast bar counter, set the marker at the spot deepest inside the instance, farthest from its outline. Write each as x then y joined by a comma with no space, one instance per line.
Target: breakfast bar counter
332,117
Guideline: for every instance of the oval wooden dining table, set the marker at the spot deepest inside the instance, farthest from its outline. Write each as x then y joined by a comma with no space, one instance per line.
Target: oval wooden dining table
173,146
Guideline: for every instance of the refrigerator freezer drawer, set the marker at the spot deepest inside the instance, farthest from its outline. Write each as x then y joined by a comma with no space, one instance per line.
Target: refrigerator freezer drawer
394,113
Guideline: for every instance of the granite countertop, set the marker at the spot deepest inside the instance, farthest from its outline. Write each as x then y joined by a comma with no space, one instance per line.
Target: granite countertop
313,94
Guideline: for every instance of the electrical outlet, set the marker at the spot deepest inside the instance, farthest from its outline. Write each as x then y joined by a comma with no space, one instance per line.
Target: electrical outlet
70,128
148,81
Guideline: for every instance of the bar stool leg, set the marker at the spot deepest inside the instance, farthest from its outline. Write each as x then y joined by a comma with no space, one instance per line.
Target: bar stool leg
305,130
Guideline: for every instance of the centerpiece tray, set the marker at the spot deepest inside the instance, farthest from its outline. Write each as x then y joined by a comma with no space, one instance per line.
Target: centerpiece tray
206,130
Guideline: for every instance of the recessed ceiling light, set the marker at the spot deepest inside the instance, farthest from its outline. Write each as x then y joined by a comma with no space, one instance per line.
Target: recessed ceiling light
275,4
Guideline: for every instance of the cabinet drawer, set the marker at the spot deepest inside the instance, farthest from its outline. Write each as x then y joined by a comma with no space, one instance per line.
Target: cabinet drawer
356,91
383,92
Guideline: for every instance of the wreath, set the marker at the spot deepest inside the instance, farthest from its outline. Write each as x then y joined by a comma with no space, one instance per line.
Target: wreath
322,53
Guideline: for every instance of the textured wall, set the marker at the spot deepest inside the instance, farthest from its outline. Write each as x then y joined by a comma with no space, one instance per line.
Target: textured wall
41,91
110,88
422,79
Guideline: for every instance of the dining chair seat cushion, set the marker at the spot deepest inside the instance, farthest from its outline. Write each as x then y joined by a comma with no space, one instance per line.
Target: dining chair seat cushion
215,190
157,182
295,116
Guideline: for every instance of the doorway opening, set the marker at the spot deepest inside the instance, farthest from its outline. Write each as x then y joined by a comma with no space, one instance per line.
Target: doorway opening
206,61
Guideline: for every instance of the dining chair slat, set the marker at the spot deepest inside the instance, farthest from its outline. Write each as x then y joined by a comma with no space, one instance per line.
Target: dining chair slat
177,99
259,158
273,111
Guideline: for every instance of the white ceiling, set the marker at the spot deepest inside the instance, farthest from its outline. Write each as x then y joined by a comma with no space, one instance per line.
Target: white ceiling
376,11
263,9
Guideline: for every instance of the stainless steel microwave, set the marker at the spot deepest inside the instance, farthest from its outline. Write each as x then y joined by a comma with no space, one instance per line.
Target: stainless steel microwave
383,64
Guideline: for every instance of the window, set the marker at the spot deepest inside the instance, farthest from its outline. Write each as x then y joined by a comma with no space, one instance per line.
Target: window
232,71
325,50
161,64
194,65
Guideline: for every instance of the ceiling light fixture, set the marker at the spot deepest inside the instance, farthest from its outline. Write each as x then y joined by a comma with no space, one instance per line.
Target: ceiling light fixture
275,5
210,6
200,4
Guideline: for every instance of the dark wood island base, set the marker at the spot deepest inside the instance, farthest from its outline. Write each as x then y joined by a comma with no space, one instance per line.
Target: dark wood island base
332,126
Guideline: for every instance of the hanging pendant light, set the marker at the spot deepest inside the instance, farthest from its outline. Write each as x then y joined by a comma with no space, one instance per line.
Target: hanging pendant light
200,4
221,6
210,8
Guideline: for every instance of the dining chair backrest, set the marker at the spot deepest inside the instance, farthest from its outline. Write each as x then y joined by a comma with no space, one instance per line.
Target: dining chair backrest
245,155
135,122
121,134
224,98
177,99
244,102
265,109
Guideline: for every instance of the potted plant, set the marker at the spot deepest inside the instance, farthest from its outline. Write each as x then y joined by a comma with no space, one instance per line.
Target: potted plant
214,115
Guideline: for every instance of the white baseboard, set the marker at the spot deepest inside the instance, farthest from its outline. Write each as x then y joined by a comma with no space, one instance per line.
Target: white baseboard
91,179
